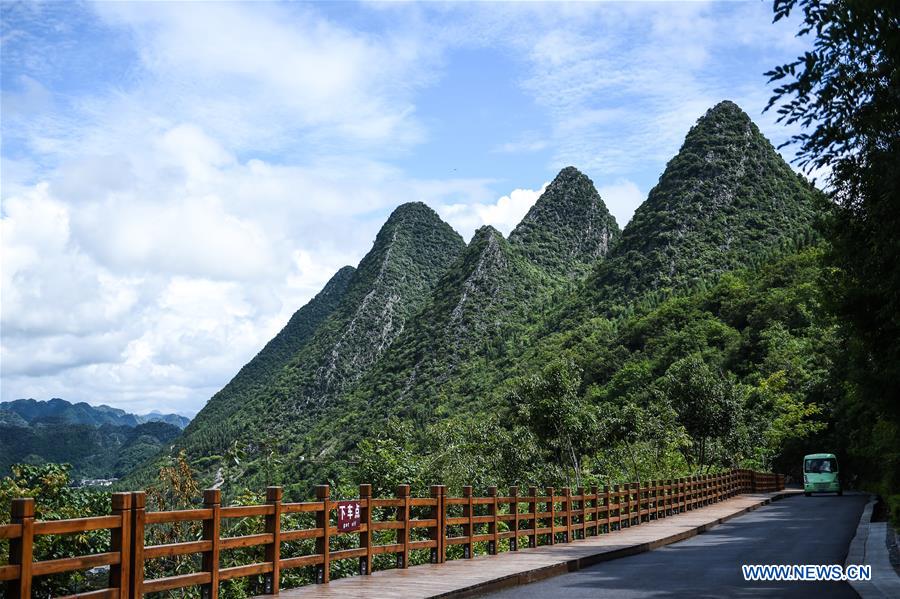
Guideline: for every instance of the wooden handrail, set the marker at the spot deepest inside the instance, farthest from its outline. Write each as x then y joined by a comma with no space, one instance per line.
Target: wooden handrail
499,521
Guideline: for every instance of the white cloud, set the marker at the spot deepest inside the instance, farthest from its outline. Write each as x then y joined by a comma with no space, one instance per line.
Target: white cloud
158,229
268,62
504,214
628,80
622,198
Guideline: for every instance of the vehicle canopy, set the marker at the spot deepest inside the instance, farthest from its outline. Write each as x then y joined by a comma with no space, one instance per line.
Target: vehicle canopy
820,463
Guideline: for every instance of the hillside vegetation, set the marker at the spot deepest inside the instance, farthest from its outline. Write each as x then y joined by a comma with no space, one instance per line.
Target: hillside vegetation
431,341
99,442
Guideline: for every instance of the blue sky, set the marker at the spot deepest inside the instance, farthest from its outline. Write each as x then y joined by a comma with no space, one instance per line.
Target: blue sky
177,179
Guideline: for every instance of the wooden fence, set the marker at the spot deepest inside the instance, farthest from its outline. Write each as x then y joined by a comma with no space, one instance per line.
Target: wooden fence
434,523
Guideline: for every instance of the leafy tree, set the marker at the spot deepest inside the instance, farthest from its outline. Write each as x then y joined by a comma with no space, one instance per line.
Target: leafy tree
389,460
845,92
55,499
551,407
707,402
782,417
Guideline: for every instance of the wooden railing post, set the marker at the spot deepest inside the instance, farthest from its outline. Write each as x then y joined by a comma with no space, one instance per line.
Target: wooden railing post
492,525
629,516
403,533
595,510
514,523
658,493
753,481
323,543
533,510
617,491
584,511
273,549
468,528
120,542
138,507
551,507
679,494
638,495
21,550
567,517
212,500
607,499
437,533
644,500
365,537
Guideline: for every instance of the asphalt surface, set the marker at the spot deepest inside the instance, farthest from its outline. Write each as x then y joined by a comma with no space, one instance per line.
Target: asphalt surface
795,530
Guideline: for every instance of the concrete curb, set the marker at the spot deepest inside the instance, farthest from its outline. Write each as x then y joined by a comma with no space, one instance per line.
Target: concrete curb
869,547
574,565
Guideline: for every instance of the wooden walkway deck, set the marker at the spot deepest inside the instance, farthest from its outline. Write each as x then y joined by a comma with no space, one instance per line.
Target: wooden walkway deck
463,578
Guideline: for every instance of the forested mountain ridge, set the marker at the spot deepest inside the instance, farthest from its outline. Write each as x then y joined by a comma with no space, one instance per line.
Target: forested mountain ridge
568,229
256,375
726,197
60,411
98,441
392,282
488,305
499,309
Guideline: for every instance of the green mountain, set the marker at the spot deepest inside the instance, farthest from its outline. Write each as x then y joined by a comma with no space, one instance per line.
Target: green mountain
568,229
429,330
60,411
345,329
99,441
488,305
727,197
257,374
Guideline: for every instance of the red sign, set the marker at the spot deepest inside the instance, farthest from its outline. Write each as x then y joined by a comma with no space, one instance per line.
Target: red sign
348,516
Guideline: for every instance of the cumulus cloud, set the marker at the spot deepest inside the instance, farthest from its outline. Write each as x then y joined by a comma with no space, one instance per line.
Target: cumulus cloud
503,214
179,179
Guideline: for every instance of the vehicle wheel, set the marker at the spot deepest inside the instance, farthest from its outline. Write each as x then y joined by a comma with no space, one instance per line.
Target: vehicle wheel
807,494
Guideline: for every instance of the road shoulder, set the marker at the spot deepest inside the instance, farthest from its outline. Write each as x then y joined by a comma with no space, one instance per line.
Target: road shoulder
869,547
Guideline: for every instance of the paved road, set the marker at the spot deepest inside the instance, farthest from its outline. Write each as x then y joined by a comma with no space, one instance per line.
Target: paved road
797,530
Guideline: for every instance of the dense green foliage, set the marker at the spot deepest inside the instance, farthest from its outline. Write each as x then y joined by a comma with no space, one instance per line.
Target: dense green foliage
737,373
95,452
568,229
429,333
55,499
846,94
257,374
726,197
98,441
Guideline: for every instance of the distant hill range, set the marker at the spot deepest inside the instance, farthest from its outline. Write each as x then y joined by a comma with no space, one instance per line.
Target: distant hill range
99,441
